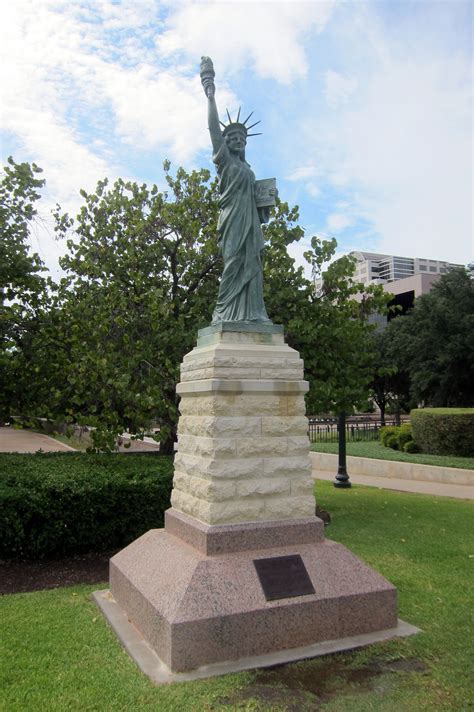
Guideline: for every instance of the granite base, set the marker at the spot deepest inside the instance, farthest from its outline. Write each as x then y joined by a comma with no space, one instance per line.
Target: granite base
196,609
159,673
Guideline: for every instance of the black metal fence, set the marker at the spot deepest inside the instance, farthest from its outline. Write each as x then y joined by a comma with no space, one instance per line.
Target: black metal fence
325,430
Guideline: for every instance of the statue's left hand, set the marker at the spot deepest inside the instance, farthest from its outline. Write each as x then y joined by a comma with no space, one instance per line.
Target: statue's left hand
264,214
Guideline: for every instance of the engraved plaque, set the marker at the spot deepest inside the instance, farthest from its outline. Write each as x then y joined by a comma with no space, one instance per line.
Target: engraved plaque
283,577
263,197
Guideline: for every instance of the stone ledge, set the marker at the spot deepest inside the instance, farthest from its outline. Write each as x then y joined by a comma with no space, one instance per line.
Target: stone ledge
225,539
246,356
370,467
217,385
254,327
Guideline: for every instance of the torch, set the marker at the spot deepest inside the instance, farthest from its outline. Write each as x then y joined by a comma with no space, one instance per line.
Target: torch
207,76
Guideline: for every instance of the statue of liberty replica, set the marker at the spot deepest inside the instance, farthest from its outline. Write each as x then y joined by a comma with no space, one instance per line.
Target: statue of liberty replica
241,570
240,235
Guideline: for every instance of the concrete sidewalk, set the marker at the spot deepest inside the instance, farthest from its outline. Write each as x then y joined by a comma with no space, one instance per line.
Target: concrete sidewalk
437,488
28,441
12,440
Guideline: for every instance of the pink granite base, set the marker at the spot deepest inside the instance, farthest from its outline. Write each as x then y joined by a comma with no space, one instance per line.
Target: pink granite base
228,538
196,609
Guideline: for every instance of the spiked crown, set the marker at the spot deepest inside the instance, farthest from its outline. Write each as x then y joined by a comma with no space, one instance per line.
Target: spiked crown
239,126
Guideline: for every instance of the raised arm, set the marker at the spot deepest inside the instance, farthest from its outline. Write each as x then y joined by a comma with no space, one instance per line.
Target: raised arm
207,81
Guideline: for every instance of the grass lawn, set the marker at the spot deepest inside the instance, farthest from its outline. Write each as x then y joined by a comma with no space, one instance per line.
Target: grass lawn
59,654
74,441
377,450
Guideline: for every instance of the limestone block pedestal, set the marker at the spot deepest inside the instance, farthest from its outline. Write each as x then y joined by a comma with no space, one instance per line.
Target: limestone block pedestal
242,492
243,452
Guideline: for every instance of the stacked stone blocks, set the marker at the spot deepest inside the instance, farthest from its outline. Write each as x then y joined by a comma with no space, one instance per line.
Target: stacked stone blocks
243,449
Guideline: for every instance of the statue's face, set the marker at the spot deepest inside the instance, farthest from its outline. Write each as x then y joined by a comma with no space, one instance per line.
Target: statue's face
236,142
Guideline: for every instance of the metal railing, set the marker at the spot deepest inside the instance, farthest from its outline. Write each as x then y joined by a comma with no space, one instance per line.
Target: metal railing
326,430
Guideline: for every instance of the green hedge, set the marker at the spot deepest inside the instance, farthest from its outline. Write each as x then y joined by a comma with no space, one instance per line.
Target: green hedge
58,504
444,431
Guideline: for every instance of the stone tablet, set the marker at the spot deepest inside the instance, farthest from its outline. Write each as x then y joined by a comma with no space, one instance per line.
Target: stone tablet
265,191
283,577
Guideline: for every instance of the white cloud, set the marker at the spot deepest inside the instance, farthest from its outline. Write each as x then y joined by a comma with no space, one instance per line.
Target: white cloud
302,172
313,189
305,175
79,77
94,88
74,80
401,148
266,35
338,87
296,250
337,222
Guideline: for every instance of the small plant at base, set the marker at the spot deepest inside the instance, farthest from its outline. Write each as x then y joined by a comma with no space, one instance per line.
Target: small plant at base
411,446
404,435
385,433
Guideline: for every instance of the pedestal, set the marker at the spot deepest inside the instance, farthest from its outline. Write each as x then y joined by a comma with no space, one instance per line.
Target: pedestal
243,493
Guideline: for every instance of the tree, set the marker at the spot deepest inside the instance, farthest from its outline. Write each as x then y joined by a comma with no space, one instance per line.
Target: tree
141,278
331,330
390,384
22,288
435,340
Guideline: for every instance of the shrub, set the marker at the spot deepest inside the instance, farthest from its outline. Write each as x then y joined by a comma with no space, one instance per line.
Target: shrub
411,446
392,441
57,504
404,435
444,431
398,437
386,432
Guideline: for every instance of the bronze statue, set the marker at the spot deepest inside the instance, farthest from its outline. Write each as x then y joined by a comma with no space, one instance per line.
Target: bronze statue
240,235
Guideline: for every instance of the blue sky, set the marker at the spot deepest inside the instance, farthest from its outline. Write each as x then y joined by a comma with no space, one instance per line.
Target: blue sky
366,107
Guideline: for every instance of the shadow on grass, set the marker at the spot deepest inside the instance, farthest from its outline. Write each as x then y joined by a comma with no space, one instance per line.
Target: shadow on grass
309,685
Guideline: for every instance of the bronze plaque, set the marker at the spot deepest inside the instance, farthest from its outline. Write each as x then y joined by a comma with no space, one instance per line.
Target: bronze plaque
283,577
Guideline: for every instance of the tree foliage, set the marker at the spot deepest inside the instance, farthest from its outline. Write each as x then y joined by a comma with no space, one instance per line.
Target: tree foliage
436,342
390,383
141,277
22,288
338,350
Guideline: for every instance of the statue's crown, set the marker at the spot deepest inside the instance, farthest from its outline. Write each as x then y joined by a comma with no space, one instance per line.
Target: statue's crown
239,126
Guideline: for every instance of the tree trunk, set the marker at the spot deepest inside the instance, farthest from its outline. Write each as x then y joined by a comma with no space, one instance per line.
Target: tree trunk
397,414
382,414
167,445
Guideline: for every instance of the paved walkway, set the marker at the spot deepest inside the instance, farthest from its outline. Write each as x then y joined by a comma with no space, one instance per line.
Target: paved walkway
392,483
12,440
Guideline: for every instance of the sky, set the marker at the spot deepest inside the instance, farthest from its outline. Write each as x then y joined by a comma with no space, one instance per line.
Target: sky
366,107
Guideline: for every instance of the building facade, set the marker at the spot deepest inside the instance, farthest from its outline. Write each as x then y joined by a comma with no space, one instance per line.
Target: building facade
404,277
372,267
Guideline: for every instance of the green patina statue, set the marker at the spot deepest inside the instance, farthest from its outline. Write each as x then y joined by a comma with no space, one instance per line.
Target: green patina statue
244,205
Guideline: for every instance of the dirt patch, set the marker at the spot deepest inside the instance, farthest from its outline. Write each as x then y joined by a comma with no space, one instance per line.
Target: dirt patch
301,687
24,576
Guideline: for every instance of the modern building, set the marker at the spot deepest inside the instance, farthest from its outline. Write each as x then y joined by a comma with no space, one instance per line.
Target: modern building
382,269
404,277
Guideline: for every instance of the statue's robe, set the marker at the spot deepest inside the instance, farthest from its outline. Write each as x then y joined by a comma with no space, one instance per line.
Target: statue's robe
240,241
